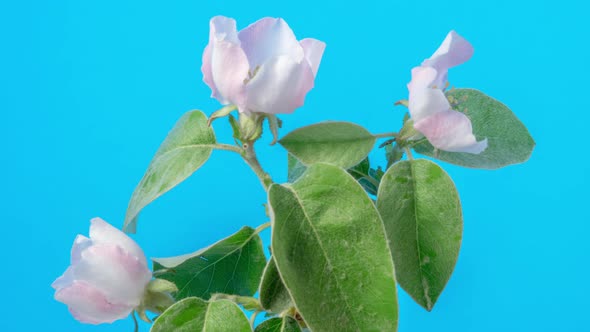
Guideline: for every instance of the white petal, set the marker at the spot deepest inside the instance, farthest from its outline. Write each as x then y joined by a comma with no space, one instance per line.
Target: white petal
119,275
453,51
268,38
223,28
313,50
102,232
422,78
65,280
225,66
450,131
229,68
89,305
280,86
80,244
425,102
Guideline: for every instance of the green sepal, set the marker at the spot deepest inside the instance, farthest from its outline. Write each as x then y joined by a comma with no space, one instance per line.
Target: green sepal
224,111
235,126
251,126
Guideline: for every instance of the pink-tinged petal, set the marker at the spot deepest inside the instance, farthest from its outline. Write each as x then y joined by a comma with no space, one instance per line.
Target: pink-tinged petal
119,275
220,28
427,102
207,72
451,131
313,50
268,38
80,244
89,305
453,51
279,86
422,78
223,28
102,232
229,69
225,65
65,280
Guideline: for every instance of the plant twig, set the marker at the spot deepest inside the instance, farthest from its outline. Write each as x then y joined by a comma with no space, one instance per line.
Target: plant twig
384,135
262,227
253,319
135,324
228,147
409,153
249,156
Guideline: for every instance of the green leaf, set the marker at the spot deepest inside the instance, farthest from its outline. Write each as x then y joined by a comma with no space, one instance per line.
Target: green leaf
285,324
233,266
274,296
361,169
366,176
342,144
329,246
295,168
509,142
393,154
193,315
186,149
421,211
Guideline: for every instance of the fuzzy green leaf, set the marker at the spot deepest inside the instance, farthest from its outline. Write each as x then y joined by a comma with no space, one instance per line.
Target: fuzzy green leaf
185,150
233,266
330,249
196,315
509,141
285,324
342,144
421,211
273,294
295,168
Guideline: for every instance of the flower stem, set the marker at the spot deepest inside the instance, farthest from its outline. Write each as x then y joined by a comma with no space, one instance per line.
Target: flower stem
253,319
249,156
136,326
409,153
262,227
227,147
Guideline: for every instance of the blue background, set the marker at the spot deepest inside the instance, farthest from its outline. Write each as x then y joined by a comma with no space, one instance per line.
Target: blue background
89,89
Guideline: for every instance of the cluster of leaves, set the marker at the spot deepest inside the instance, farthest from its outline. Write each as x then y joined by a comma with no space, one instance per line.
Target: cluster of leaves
339,226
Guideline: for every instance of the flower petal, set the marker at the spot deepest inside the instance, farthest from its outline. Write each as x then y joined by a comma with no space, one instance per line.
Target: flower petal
425,102
80,244
450,131
453,51
268,38
119,275
102,232
229,68
422,78
89,305
225,66
279,86
223,28
313,50
65,280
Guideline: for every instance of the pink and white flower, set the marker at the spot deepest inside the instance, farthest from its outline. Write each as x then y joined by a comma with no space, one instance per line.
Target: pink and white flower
262,68
107,277
445,128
